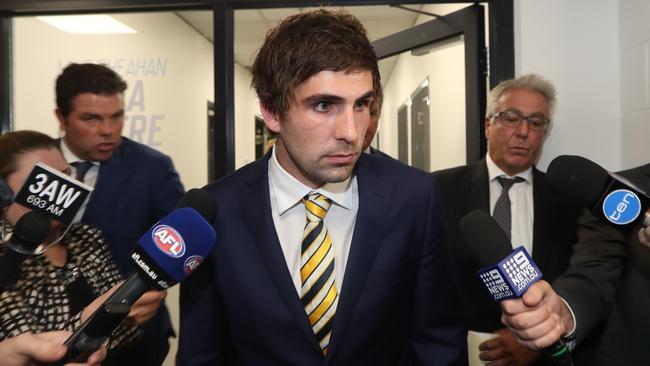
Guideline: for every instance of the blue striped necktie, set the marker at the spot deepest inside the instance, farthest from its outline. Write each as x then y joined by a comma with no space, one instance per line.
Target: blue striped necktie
318,290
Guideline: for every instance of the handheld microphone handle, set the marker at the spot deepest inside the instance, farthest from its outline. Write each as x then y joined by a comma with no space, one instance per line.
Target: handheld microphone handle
559,353
93,333
130,291
10,267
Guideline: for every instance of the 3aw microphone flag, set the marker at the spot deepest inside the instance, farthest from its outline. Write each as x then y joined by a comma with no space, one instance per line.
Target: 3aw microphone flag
53,193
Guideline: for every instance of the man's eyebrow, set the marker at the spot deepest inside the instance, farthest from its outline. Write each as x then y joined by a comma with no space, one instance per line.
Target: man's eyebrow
334,98
370,94
323,98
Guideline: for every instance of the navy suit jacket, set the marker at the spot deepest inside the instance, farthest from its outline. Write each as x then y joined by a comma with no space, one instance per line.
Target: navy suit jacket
135,188
397,304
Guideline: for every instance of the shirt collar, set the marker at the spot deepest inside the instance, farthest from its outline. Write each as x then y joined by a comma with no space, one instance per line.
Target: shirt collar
69,156
494,171
289,191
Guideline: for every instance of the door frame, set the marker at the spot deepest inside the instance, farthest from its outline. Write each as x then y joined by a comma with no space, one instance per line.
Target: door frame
469,23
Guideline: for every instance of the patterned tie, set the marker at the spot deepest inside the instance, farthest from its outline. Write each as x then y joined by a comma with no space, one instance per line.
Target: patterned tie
318,291
501,211
81,168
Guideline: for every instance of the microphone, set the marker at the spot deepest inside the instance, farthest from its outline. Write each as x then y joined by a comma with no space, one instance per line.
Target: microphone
608,196
167,253
29,232
514,271
6,195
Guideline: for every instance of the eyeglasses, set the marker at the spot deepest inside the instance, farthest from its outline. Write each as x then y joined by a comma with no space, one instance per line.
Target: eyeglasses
512,119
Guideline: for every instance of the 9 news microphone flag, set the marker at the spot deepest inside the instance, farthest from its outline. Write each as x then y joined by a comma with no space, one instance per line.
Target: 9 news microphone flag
514,271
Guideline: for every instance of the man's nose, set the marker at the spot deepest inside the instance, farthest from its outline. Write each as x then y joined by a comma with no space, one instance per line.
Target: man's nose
347,128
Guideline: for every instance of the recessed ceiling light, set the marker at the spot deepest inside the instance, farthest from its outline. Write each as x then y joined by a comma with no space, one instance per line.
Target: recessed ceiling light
87,24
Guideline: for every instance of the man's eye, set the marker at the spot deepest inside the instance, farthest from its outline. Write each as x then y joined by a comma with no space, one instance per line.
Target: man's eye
359,106
511,117
322,106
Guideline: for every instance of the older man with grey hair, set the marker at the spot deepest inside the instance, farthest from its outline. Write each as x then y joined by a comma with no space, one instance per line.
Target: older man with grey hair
507,184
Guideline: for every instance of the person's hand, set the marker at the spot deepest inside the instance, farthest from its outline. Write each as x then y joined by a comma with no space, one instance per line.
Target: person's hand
503,350
145,308
539,318
90,309
95,359
27,348
644,236
141,311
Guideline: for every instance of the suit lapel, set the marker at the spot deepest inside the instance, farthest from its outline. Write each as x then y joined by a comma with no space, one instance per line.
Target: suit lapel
112,177
374,200
256,210
477,188
542,208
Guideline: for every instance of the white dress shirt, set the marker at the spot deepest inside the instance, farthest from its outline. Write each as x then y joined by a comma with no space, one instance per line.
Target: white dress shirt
521,204
289,217
90,178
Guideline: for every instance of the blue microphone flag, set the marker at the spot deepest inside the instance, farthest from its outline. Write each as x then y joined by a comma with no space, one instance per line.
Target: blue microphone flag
174,247
511,277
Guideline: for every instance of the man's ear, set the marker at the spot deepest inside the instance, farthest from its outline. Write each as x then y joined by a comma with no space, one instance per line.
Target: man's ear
487,127
271,120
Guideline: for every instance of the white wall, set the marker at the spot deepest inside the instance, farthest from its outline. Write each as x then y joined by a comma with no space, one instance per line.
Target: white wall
444,67
575,45
634,40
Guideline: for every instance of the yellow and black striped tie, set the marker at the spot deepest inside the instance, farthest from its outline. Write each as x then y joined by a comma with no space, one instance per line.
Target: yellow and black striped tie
318,291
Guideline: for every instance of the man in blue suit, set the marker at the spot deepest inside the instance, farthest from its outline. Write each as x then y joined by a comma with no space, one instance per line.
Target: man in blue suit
134,185
324,255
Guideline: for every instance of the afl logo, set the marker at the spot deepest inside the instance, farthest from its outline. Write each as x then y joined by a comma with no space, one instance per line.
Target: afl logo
168,240
191,264
621,206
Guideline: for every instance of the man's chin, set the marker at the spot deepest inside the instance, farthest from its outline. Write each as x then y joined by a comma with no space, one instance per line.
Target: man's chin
103,155
338,174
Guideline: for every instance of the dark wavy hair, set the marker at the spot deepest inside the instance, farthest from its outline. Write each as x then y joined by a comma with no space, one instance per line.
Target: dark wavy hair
14,144
305,44
86,78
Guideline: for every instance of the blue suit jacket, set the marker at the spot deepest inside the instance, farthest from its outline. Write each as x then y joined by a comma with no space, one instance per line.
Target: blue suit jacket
397,304
135,188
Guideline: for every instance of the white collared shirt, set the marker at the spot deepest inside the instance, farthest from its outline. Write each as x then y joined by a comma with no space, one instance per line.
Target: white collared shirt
289,217
90,178
521,203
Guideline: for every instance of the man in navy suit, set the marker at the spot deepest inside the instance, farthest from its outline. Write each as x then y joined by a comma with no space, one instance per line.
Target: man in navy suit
324,255
134,185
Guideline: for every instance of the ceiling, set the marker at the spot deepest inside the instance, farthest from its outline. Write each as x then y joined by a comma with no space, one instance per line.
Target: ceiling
251,26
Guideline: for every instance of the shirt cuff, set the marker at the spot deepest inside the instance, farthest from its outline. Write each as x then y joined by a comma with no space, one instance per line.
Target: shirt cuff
570,338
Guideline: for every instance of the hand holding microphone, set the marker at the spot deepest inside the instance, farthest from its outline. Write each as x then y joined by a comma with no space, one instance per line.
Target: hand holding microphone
513,275
167,253
140,312
539,318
